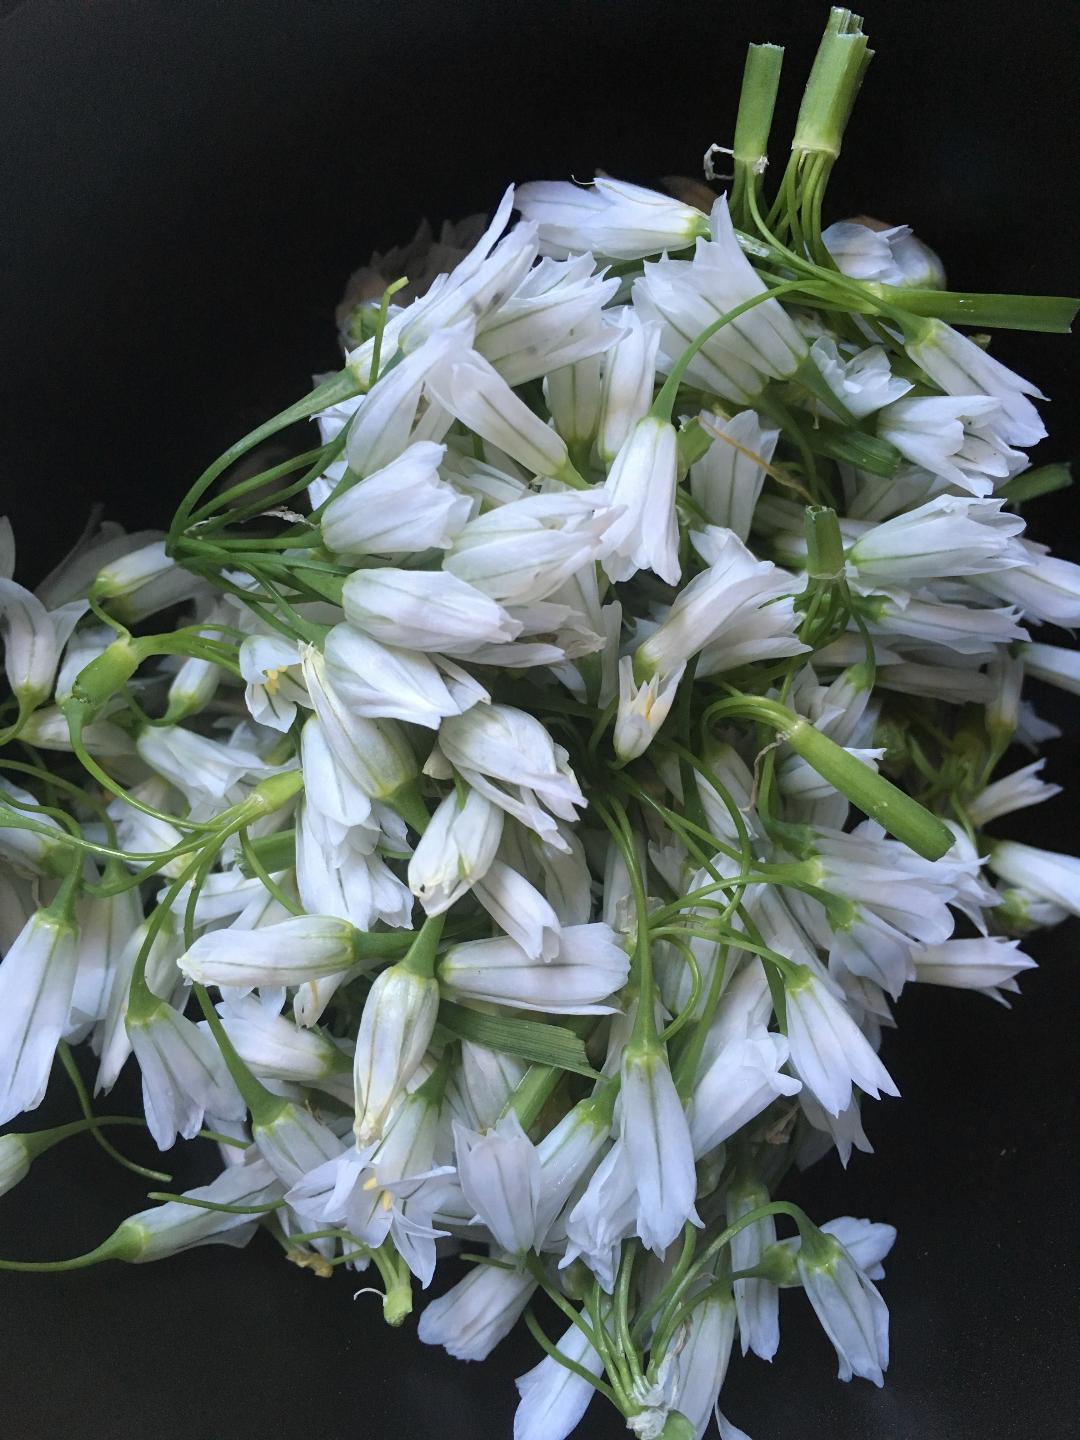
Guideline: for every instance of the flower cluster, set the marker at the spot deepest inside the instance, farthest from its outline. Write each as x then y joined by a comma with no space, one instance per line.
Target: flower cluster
520,846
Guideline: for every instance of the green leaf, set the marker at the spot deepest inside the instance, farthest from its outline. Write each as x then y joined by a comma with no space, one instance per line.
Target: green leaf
1050,314
855,447
1042,481
533,1040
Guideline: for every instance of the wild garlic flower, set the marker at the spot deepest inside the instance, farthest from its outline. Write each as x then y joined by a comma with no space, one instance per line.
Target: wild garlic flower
512,832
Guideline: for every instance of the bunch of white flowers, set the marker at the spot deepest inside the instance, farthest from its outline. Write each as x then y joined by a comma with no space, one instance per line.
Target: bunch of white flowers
497,851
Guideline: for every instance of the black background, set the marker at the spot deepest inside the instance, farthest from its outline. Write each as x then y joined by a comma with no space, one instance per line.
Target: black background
185,188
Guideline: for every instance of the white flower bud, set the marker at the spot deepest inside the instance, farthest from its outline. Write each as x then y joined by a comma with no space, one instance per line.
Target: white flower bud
291,952
611,217
15,1157
587,971
889,254
425,610
642,708
144,581
395,1029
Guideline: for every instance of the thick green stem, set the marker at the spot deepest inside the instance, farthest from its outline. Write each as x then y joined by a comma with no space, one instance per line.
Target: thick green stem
875,796
757,101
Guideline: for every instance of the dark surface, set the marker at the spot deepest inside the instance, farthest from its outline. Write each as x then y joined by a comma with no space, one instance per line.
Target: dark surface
186,186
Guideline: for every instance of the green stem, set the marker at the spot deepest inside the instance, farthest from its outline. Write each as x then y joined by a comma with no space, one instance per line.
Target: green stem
757,101
91,1122
875,796
341,386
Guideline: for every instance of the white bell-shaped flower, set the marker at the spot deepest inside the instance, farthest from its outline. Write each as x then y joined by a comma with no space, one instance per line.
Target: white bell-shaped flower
37,976
184,1076
425,610
402,508
1042,873
455,851
727,480
473,391
554,320
828,1050
611,217
629,378
511,759
888,254
743,1080
520,553
385,682
656,1136
961,367
988,963
580,979
687,297
476,1313
851,1311
641,487
553,1397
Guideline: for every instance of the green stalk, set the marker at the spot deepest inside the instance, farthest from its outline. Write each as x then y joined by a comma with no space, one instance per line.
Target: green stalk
902,816
757,101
